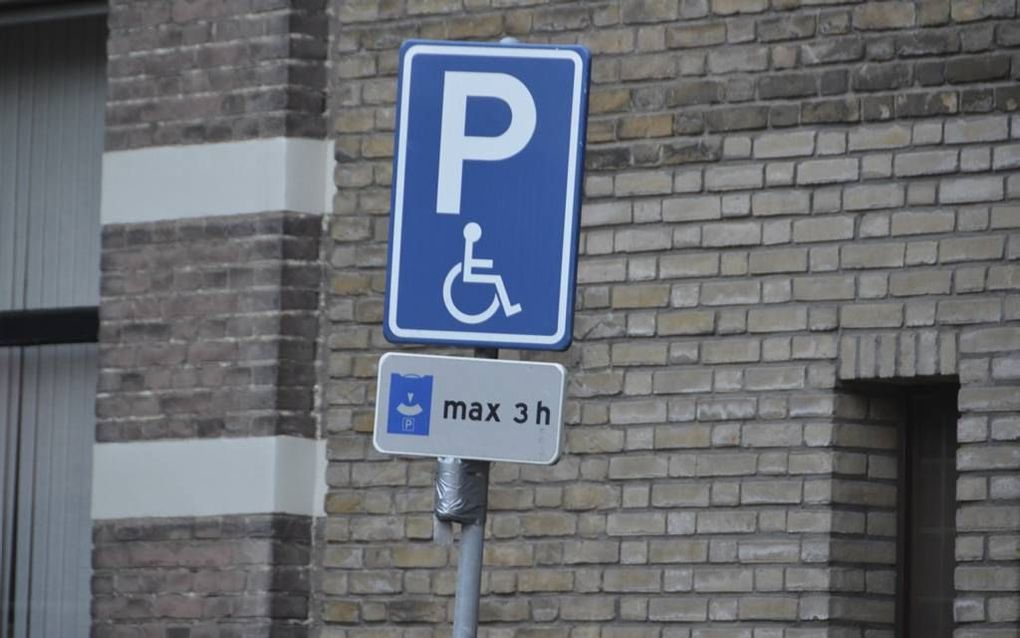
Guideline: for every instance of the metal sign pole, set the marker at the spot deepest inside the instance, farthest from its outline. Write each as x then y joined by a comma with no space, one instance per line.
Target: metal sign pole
462,496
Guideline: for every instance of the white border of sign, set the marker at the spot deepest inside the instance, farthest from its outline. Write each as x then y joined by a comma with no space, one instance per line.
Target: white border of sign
478,368
568,213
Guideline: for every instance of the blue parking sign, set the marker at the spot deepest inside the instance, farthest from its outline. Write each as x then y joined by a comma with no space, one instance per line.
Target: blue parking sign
487,178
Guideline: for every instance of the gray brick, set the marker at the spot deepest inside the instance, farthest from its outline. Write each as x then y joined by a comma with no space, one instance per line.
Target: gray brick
926,163
866,138
789,144
681,209
871,316
731,234
734,178
872,197
790,202
970,189
983,129
827,171
738,58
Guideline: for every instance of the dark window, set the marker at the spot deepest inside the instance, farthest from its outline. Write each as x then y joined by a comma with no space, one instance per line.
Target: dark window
927,514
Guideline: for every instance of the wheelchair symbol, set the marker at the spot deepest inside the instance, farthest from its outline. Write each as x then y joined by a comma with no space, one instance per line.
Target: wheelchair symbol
466,268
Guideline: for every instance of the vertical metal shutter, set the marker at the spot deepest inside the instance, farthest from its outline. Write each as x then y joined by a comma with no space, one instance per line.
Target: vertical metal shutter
52,100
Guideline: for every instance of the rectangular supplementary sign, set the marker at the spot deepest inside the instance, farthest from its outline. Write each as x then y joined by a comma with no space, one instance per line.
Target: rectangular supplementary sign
487,179
482,409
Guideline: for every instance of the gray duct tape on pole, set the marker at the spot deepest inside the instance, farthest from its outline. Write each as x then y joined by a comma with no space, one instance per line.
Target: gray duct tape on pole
462,492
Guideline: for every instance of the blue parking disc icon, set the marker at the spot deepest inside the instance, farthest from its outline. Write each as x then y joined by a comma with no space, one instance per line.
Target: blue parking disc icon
410,409
487,180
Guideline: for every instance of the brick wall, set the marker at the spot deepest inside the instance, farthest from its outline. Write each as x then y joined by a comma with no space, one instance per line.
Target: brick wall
208,576
780,198
198,71
209,327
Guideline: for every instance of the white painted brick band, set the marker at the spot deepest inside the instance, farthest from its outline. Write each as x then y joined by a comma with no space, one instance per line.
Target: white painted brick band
209,477
254,176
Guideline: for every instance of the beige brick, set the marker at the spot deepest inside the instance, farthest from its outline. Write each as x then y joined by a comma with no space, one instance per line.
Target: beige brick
770,492
969,311
605,213
926,163
641,239
590,551
873,197
724,178
786,144
645,466
643,183
540,580
827,228
922,222
731,351
627,412
680,495
641,296
594,441
609,41
823,288
642,126
730,7
416,555
827,171
604,100
636,524
688,265
920,282
778,261
685,322
682,436
649,11
678,551
725,409
721,579
678,609
548,524
684,209
770,608
723,293
990,340
867,138
979,129
872,255
685,36
883,15
587,608
726,522
776,319
639,353
738,58
970,249
632,580
776,378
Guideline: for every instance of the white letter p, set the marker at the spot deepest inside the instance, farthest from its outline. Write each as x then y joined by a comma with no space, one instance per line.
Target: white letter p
455,146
